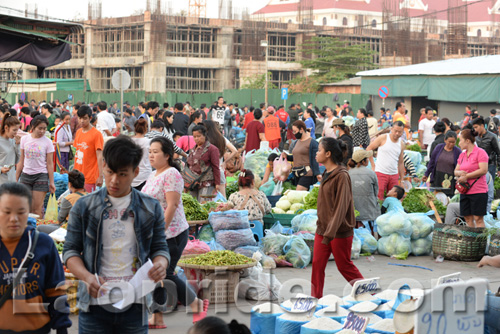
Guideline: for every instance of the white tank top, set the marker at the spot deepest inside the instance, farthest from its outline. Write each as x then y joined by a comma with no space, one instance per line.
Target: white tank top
388,157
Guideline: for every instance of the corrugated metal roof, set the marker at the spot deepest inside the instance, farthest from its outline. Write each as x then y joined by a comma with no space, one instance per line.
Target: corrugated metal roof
462,66
356,81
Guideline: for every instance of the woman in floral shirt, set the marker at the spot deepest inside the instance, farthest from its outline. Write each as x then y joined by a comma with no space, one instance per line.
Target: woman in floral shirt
167,185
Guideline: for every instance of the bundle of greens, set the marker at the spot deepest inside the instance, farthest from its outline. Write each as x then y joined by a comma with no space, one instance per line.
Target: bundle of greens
231,188
311,200
417,200
193,209
414,147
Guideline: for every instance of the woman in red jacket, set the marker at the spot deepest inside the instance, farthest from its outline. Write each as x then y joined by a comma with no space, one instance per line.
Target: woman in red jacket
336,220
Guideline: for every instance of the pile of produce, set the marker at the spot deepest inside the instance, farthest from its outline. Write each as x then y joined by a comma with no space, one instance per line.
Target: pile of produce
291,202
193,209
256,161
218,258
417,200
415,148
311,200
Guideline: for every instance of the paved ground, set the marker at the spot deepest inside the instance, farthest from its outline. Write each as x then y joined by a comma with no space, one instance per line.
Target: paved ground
180,321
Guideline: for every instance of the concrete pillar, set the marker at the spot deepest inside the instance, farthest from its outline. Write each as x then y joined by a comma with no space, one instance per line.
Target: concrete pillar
225,75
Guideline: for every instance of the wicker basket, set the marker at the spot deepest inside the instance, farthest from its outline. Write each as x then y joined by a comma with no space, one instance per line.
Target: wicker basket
219,287
494,248
459,243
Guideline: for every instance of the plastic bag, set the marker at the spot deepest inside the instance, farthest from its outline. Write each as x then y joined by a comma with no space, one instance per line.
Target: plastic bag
285,325
273,243
229,220
395,245
51,212
297,252
214,245
422,224
259,286
206,233
195,247
394,222
415,157
232,239
248,251
280,260
422,246
220,198
278,189
368,241
277,228
355,248
268,188
305,222
256,161
281,168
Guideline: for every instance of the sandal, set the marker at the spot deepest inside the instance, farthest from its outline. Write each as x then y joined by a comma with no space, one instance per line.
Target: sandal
153,326
203,314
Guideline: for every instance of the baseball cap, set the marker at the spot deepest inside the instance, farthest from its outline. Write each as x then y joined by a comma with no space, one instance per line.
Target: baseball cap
270,109
361,154
337,121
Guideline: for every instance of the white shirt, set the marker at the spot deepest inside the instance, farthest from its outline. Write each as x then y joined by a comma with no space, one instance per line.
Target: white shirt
329,131
105,121
426,126
119,243
144,166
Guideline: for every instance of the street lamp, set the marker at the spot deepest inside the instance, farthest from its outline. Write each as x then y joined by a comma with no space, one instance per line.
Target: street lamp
265,44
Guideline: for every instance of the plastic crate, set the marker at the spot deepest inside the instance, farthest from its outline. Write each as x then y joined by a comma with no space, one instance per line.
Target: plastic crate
220,288
284,219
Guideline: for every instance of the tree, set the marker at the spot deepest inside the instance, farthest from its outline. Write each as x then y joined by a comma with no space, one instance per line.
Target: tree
258,81
331,60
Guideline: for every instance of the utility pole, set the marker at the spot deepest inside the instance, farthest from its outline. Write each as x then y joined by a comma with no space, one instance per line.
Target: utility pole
265,44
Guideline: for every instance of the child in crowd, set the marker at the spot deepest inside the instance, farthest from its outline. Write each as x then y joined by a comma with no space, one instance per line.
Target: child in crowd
393,200
269,168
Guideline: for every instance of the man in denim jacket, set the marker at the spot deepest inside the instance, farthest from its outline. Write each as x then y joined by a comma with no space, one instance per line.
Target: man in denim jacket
111,234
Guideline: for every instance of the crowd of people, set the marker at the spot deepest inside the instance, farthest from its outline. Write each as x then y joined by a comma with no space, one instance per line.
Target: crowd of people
126,181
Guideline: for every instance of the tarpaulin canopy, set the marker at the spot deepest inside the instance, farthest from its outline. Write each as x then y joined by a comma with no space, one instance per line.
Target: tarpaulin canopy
35,42
474,79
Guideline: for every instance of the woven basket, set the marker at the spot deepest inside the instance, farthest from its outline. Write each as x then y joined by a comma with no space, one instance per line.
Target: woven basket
217,287
459,243
494,248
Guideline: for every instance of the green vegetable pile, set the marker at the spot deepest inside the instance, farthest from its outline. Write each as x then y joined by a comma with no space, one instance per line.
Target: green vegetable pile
311,200
288,186
210,206
193,209
59,246
414,147
231,188
218,258
417,200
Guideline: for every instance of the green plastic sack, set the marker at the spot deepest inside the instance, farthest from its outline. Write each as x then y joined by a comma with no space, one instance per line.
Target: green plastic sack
51,212
268,187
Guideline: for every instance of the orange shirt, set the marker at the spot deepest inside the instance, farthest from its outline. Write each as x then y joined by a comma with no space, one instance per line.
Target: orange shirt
272,128
86,145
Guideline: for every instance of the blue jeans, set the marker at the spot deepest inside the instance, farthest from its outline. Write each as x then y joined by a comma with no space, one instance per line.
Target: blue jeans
98,320
492,314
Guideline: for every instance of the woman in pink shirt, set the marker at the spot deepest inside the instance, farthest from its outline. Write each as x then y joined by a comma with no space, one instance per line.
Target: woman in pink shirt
471,168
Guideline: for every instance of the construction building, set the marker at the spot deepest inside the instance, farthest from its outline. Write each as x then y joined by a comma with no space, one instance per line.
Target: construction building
189,54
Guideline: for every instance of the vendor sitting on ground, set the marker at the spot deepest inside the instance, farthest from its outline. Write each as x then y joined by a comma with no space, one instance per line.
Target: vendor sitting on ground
249,198
76,181
393,200
269,168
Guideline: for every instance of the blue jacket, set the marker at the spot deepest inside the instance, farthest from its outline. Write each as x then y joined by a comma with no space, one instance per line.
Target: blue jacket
431,166
84,238
42,283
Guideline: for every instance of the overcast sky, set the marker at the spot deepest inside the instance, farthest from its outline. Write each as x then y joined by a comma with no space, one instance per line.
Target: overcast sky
71,9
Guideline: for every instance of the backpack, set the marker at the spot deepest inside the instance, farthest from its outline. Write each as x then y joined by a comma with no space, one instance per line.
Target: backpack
492,126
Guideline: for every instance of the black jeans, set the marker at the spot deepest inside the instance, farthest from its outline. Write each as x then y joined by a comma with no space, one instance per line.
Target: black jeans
185,293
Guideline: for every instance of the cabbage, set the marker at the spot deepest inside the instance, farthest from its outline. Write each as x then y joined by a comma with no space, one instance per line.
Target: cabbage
290,212
494,204
297,252
283,204
394,245
422,225
394,222
422,246
256,161
296,196
296,206
368,241
273,243
278,210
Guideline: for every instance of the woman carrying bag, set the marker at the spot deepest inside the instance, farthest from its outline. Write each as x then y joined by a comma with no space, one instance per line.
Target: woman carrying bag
202,172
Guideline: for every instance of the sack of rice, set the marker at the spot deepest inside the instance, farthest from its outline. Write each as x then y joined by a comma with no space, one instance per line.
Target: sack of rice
263,318
334,312
372,317
364,307
321,326
365,297
347,331
387,295
330,300
290,323
385,326
287,304
385,311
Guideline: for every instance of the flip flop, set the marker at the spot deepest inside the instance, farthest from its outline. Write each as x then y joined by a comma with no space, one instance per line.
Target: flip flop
203,314
153,326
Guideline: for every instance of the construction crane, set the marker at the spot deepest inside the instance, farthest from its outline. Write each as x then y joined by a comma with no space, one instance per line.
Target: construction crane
198,8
